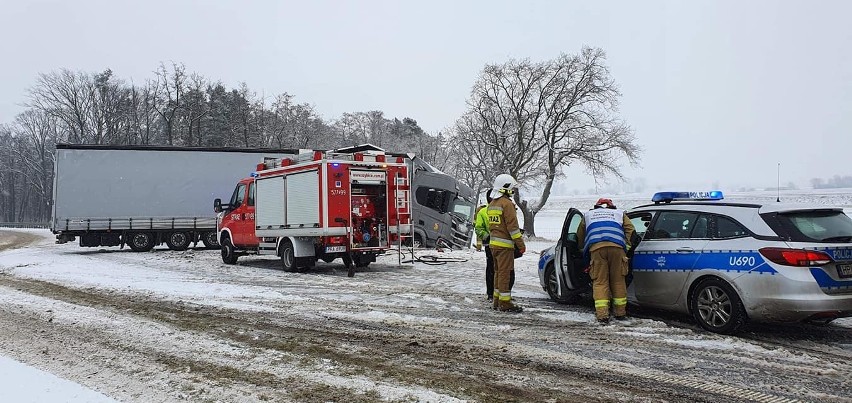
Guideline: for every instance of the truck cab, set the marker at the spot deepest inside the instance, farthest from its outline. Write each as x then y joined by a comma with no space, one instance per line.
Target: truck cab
442,208
236,218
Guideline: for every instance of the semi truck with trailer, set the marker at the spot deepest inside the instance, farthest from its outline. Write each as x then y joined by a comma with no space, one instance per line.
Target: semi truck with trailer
143,196
318,205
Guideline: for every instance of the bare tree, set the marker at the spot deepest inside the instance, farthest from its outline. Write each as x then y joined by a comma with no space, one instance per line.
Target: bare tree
195,108
171,85
66,96
532,120
37,133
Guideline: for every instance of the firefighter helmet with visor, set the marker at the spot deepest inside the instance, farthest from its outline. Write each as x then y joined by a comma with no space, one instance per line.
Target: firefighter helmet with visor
505,183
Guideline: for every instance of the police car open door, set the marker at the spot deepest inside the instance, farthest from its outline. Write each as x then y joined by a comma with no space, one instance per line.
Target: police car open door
569,256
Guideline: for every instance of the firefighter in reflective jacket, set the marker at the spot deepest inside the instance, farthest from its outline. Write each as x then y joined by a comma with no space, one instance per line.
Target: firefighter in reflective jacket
605,233
481,228
505,238
484,235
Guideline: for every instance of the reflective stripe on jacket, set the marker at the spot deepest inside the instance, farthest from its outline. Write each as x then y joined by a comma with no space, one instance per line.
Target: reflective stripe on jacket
503,224
604,225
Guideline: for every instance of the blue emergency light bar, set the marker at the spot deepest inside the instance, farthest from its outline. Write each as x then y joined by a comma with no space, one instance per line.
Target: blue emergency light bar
254,174
665,197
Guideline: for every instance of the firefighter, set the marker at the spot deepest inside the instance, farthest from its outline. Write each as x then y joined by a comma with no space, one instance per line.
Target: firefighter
605,233
505,238
483,234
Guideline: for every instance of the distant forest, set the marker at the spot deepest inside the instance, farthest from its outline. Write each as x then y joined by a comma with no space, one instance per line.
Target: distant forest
178,108
834,182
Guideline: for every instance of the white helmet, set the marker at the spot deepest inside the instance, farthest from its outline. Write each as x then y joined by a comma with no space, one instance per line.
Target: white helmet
504,183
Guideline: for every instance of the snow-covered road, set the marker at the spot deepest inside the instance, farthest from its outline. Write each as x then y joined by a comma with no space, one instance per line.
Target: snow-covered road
167,326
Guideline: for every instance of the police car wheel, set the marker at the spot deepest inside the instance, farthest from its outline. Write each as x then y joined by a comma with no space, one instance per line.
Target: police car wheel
568,297
717,307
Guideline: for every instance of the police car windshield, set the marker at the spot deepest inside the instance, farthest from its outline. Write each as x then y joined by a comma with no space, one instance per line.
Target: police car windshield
817,226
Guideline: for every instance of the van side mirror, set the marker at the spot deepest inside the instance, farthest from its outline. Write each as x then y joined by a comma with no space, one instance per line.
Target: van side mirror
217,205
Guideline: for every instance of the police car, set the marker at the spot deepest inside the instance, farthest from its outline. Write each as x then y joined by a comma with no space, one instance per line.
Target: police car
724,263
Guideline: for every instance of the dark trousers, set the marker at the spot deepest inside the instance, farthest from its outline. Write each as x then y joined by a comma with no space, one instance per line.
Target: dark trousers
489,273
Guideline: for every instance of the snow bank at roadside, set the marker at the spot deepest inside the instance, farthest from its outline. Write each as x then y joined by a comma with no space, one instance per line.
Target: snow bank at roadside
22,383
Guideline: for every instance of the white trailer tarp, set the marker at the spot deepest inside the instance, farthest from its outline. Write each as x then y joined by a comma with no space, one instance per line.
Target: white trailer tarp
141,186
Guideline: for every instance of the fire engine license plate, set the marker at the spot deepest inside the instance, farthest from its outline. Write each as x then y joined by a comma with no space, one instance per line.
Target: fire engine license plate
844,270
336,249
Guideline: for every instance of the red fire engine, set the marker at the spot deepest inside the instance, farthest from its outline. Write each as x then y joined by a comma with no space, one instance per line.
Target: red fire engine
318,205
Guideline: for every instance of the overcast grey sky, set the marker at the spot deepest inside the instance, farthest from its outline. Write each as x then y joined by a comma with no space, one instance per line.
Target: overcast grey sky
717,92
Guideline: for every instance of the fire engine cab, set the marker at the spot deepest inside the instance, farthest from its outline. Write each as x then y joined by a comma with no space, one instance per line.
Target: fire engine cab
318,205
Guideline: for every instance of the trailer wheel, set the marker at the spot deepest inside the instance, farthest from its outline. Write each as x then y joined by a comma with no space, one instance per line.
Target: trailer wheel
288,257
209,240
178,241
140,241
229,252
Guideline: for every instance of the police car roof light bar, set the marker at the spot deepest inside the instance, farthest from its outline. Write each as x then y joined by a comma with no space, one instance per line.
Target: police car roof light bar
667,197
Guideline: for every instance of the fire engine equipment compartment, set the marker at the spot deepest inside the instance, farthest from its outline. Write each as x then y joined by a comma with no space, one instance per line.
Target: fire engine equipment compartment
369,219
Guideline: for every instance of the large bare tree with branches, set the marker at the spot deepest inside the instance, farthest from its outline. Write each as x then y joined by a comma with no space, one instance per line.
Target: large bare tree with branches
533,119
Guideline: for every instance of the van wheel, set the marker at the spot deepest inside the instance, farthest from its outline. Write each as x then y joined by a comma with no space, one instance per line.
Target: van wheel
140,241
568,296
717,307
209,240
288,257
229,252
178,241
360,261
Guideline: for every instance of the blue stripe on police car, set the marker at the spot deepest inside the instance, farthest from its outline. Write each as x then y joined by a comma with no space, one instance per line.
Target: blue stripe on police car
725,260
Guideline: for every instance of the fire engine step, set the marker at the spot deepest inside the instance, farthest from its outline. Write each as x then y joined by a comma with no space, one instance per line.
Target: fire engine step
267,248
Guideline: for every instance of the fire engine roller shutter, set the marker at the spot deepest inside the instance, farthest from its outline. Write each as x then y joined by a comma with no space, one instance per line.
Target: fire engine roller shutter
269,202
303,199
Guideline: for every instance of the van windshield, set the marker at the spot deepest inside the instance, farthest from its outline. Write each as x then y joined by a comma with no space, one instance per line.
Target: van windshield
817,226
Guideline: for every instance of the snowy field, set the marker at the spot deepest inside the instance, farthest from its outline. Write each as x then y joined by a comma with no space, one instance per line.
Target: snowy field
176,326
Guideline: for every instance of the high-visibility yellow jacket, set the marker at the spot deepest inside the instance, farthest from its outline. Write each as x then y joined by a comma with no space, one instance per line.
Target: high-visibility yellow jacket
503,224
480,226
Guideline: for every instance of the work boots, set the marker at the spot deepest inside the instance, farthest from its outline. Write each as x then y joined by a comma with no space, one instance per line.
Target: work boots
509,306
620,312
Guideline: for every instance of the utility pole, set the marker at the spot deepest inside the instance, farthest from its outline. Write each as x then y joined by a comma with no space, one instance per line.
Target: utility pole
778,189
